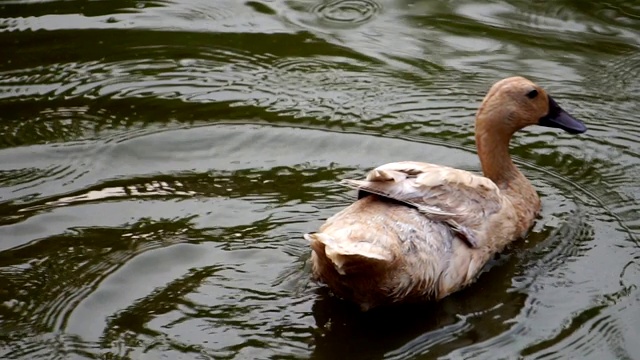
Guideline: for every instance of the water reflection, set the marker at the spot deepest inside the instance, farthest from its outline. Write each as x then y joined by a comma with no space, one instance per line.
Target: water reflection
160,160
413,330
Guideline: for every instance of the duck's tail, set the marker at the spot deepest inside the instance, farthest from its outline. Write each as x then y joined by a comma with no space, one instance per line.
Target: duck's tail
347,256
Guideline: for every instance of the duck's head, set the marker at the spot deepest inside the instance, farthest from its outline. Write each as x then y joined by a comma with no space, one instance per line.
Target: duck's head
514,103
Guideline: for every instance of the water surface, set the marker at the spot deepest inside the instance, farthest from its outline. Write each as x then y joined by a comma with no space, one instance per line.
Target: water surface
160,161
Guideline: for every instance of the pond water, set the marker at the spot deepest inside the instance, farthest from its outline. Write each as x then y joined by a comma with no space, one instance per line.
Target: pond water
160,161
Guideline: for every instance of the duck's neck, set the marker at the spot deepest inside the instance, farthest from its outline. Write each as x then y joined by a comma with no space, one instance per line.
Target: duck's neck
493,150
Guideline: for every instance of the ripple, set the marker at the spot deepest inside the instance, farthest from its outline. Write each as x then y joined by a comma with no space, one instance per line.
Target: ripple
153,188
23,176
57,169
228,301
594,336
196,15
568,241
353,12
46,269
178,151
520,30
38,125
159,161
620,77
322,89
309,64
621,13
49,346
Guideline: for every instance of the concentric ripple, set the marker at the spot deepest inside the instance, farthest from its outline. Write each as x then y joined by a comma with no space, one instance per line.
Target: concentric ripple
347,11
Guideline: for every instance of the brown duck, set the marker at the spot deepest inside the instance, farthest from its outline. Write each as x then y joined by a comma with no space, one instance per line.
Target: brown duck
422,231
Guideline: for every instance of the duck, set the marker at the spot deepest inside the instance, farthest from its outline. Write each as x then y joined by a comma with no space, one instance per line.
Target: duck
419,232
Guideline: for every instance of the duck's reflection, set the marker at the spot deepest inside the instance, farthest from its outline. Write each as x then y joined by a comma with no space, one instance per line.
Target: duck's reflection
480,312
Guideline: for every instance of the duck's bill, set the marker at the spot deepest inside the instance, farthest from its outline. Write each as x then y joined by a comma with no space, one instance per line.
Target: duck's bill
558,118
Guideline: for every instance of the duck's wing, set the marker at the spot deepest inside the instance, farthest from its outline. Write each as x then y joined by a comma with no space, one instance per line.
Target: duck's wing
463,200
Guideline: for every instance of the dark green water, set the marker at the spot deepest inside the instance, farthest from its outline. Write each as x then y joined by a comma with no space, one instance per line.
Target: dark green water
160,160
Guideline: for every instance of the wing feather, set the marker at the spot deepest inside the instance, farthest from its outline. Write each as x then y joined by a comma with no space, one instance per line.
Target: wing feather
459,198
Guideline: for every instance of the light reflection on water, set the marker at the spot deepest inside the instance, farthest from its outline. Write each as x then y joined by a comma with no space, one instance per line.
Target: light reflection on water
159,162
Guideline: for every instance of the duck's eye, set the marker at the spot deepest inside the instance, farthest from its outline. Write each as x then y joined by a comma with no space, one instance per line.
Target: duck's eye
532,94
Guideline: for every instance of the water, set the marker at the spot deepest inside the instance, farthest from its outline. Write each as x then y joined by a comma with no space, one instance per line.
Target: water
160,160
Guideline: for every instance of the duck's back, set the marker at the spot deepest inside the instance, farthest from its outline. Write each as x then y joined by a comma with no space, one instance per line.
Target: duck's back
385,249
